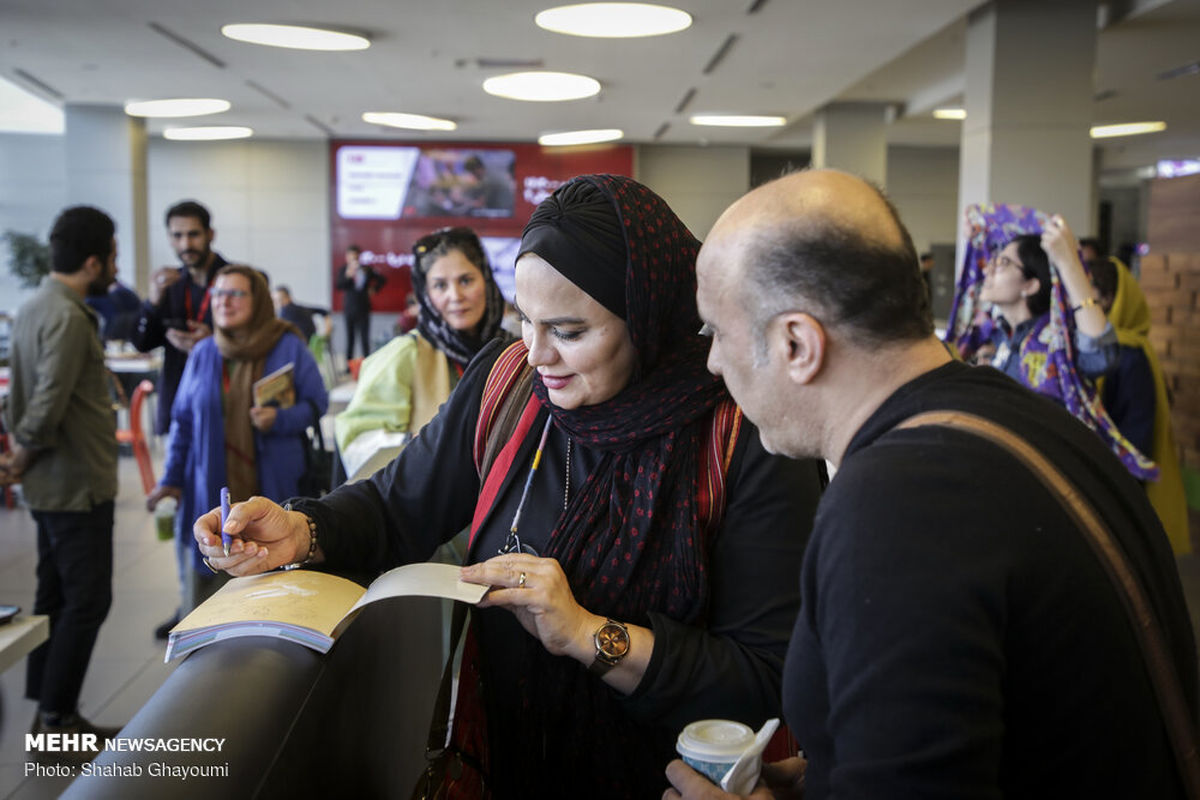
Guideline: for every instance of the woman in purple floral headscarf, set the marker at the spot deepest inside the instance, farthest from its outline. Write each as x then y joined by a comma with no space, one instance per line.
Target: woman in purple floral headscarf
1025,305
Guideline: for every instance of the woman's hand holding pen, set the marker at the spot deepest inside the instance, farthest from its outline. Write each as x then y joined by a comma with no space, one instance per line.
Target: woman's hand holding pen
265,537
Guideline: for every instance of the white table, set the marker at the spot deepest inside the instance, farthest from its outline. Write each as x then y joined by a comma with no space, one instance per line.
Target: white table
19,637
133,363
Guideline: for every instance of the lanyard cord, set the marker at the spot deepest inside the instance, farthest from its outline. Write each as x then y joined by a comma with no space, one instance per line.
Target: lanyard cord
512,542
187,302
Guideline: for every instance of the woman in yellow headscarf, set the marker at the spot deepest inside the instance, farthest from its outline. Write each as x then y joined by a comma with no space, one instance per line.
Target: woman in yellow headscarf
1126,307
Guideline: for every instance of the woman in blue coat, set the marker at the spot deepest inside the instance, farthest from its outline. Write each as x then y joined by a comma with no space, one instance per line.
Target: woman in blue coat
219,435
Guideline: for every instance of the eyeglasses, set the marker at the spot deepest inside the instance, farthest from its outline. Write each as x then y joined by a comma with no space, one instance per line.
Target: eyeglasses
1004,262
229,294
458,234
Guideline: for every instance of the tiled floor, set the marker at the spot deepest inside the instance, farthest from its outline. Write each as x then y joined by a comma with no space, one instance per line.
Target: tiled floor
127,666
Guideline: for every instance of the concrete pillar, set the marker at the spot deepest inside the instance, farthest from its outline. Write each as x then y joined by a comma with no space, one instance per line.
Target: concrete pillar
106,168
852,137
1029,88
699,183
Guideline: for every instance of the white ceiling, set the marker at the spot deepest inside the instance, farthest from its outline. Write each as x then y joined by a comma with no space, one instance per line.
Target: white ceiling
1155,36
789,57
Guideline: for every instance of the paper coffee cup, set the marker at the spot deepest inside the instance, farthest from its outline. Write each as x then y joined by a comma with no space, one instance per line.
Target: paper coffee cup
164,518
712,746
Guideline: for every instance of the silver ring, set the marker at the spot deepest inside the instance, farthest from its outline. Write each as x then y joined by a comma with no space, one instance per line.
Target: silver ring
521,581
211,568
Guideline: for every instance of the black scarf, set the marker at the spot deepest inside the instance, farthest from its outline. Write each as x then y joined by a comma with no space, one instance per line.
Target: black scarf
629,542
460,346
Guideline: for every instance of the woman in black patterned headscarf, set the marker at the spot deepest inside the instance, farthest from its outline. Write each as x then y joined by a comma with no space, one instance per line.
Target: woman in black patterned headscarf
642,549
460,304
402,385
606,291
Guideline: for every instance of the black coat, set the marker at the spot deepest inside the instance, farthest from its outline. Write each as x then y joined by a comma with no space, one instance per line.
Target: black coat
151,332
729,667
958,637
356,302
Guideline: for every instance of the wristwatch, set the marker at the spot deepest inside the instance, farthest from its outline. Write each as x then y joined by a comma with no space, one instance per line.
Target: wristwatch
612,645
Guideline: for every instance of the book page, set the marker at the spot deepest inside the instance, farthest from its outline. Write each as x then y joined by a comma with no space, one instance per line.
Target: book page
426,580
300,597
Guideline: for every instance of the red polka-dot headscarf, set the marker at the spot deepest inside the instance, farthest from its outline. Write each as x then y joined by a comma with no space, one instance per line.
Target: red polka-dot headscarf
630,541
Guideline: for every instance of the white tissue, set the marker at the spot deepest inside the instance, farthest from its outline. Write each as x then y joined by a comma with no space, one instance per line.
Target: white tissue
743,775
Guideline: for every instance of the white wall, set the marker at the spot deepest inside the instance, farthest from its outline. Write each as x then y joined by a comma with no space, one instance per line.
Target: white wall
697,182
33,189
922,183
701,182
269,201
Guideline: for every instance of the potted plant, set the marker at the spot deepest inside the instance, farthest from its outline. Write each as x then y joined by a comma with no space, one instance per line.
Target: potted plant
28,258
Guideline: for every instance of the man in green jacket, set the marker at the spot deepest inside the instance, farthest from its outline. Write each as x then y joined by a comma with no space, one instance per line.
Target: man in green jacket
65,456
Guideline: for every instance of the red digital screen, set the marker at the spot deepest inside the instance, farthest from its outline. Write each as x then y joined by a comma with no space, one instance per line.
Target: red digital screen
386,195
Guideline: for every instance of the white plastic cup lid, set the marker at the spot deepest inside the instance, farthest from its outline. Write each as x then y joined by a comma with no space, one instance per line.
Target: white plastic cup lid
714,740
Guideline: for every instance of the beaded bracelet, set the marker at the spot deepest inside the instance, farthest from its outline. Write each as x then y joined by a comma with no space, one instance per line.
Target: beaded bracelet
312,541
1088,302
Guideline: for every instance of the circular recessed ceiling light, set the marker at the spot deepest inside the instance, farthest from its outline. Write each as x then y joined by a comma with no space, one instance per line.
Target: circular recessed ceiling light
949,113
738,120
580,137
416,122
1127,129
297,37
178,107
542,87
614,20
207,134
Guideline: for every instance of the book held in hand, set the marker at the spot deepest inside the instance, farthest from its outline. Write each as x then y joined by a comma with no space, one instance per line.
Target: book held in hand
310,608
276,389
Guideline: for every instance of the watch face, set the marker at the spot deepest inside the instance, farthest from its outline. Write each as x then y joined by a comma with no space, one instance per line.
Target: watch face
612,641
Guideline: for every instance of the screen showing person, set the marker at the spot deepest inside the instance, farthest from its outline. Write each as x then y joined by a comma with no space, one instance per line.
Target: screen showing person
462,183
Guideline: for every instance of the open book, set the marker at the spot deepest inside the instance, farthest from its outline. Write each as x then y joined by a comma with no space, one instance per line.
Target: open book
278,388
311,608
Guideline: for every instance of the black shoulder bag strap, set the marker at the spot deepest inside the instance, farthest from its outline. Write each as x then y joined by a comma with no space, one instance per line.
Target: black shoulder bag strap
1141,615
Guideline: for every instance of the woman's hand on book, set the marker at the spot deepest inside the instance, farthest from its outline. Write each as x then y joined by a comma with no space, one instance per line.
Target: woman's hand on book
265,537
536,591
263,417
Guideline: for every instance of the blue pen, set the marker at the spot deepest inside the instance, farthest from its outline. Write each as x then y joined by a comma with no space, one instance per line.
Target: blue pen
226,541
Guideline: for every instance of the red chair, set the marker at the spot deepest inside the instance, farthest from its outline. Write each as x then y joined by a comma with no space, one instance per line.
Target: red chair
135,435
5,446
